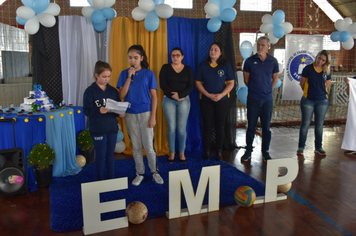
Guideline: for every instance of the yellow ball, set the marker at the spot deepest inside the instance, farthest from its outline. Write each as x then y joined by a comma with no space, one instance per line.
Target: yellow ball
284,187
81,160
245,196
136,212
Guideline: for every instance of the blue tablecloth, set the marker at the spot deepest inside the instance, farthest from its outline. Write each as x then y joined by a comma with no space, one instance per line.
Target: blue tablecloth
59,129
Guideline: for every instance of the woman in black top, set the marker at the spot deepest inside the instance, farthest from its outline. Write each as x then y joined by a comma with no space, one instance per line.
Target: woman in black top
176,81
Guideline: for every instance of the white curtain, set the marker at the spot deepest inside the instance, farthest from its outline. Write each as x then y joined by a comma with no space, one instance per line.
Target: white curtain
78,48
349,142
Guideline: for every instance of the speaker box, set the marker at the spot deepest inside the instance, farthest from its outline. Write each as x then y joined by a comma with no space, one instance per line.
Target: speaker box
12,166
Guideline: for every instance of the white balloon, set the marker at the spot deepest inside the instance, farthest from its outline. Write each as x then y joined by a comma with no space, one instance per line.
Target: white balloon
240,79
99,4
267,18
119,126
109,3
115,13
273,40
254,50
288,27
348,21
212,9
234,11
353,36
120,147
87,11
164,11
352,28
53,9
266,27
147,5
138,14
207,16
348,44
25,12
340,25
46,19
32,25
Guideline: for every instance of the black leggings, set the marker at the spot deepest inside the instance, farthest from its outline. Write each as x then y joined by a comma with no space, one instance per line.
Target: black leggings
211,111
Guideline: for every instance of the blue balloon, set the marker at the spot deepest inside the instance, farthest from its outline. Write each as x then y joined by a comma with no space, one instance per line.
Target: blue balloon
226,4
20,20
108,12
100,27
227,15
278,17
151,21
97,17
27,3
242,95
120,136
278,31
214,24
344,36
39,6
157,2
278,84
335,36
246,49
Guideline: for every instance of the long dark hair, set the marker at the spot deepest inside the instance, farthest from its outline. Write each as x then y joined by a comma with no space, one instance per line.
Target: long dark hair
139,49
101,66
221,60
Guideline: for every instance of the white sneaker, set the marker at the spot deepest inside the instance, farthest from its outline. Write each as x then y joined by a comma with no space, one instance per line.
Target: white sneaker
137,180
157,178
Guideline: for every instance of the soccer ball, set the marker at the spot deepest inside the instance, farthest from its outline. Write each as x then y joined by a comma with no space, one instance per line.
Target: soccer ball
136,212
81,160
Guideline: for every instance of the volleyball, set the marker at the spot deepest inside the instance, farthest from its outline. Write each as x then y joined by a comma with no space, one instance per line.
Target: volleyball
81,160
136,212
245,196
284,187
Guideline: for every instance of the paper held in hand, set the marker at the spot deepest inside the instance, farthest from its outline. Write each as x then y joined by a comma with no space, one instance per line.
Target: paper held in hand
117,107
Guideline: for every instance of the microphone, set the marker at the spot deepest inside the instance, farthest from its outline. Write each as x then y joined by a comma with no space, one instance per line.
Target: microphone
132,74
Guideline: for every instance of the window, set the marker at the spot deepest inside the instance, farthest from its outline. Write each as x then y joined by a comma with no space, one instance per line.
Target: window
280,55
330,45
256,5
328,9
79,3
249,37
184,4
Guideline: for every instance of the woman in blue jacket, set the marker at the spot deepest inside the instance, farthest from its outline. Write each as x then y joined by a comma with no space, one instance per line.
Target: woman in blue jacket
103,126
315,83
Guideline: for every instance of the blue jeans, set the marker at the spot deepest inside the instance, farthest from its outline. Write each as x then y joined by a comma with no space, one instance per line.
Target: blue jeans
176,116
262,109
104,146
308,107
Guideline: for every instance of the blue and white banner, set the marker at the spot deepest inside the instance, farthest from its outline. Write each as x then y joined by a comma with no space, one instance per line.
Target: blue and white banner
300,52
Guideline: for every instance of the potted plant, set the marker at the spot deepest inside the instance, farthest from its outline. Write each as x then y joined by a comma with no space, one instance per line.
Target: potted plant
86,145
41,157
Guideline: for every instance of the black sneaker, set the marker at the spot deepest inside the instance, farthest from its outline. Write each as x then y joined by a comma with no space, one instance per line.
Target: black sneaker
320,151
246,156
349,152
266,156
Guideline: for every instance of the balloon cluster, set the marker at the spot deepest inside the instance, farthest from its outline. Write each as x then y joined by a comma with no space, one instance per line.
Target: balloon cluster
346,33
120,145
150,10
218,11
99,11
275,26
35,12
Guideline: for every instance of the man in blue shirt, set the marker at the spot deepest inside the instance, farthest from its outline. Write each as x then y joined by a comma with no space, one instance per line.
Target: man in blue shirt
260,76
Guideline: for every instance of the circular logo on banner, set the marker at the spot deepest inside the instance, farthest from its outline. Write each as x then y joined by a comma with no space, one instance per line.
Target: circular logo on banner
296,64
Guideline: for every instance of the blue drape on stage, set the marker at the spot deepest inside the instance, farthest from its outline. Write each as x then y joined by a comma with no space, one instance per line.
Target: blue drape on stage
193,37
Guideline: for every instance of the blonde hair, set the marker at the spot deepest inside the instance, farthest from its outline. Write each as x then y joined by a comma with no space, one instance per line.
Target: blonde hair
326,66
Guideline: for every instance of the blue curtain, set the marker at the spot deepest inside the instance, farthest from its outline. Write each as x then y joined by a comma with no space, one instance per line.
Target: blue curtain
193,37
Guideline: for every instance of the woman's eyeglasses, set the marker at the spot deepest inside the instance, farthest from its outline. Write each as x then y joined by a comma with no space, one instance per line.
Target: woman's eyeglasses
176,55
